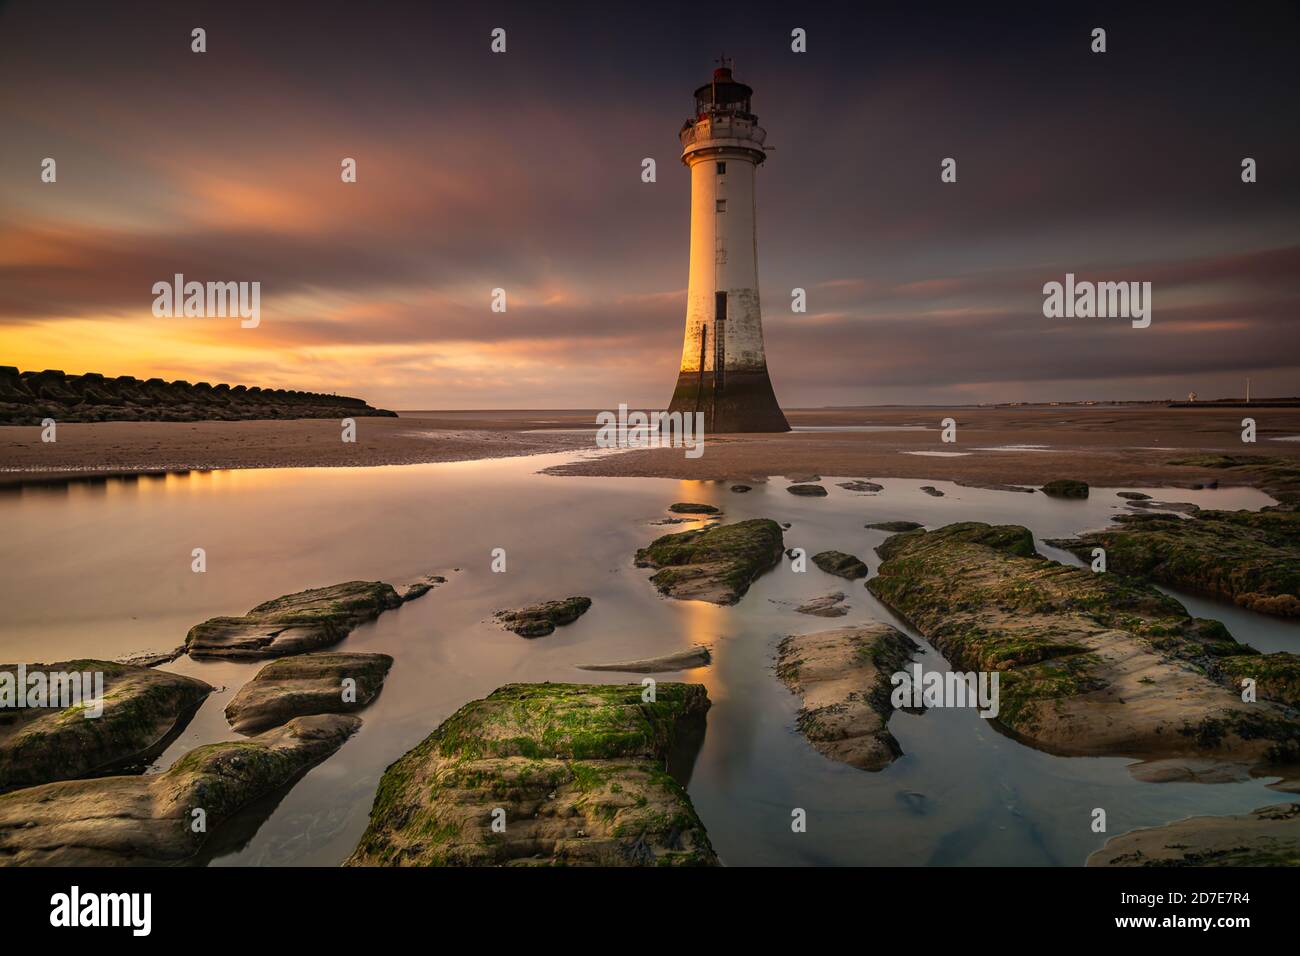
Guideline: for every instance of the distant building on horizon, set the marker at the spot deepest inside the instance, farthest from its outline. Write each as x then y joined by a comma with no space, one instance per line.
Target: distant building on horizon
724,366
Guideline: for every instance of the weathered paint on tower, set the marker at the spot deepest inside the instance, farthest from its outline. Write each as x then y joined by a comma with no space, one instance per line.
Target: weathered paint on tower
724,368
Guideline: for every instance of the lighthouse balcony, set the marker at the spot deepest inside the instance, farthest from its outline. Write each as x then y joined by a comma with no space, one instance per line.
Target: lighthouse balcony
722,132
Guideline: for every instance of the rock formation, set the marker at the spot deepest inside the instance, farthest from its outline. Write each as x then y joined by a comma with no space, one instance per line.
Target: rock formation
547,774
143,709
293,624
843,676
537,620
1249,557
1269,836
715,564
305,685
150,820
840,564
1089,664
26,398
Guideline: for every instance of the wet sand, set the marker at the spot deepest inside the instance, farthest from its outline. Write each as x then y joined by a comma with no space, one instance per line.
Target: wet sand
115,448
1113,445
1099,445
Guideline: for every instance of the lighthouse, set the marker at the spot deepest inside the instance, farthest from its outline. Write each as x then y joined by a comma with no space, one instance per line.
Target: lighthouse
724,368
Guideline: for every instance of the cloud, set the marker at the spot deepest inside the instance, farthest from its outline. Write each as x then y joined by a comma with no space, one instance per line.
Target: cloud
523,172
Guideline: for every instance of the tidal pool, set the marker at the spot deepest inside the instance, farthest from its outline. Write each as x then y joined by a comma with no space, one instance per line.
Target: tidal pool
102,569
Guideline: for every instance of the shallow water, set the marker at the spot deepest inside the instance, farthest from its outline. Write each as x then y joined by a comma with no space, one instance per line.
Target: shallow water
103,569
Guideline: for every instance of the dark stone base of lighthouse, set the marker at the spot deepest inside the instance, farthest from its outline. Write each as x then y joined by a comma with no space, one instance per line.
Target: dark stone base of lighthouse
744,402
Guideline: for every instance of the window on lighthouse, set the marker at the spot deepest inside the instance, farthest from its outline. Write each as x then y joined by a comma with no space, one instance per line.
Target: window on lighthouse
722,205
722,169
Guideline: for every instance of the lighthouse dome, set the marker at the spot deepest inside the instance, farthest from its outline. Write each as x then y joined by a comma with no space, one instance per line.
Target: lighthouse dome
722,123
722,94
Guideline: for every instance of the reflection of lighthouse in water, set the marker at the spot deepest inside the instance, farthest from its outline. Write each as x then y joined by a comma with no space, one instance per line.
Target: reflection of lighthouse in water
724,369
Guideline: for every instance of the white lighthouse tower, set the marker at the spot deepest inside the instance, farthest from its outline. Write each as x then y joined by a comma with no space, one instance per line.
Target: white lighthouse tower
724,368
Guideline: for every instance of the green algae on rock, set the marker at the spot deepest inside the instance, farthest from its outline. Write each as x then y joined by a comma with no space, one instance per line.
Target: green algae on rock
894,526
1276,676
860,485
307,684
844,677
841,564
1269,836
1251,558
716,564
538,620
807,491
1090,664
692,508
1066,488
293,624
143,709
547,774
149,820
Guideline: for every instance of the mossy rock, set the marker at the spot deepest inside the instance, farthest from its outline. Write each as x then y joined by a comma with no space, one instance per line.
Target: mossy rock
571,774
1251,558
1066,488
143,710
148,820
1276,676
692,508
807,491
859,485
538,620
294,623
894,526
841,564
715,564
1088,663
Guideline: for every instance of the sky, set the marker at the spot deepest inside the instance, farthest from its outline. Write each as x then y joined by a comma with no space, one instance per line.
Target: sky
522,171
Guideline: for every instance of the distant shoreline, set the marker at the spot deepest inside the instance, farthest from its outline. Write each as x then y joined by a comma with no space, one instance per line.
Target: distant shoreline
1106,446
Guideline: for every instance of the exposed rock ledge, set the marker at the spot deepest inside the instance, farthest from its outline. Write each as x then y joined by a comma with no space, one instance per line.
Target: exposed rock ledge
715,564
1249,557
149,820
538,620
143,710
574,773
1269,836
843,565
293,624
304,685
844,676
697,656
828,605
1090,664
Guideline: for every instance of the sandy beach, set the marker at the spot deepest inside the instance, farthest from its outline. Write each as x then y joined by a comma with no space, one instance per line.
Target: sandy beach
1112,445
117,448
